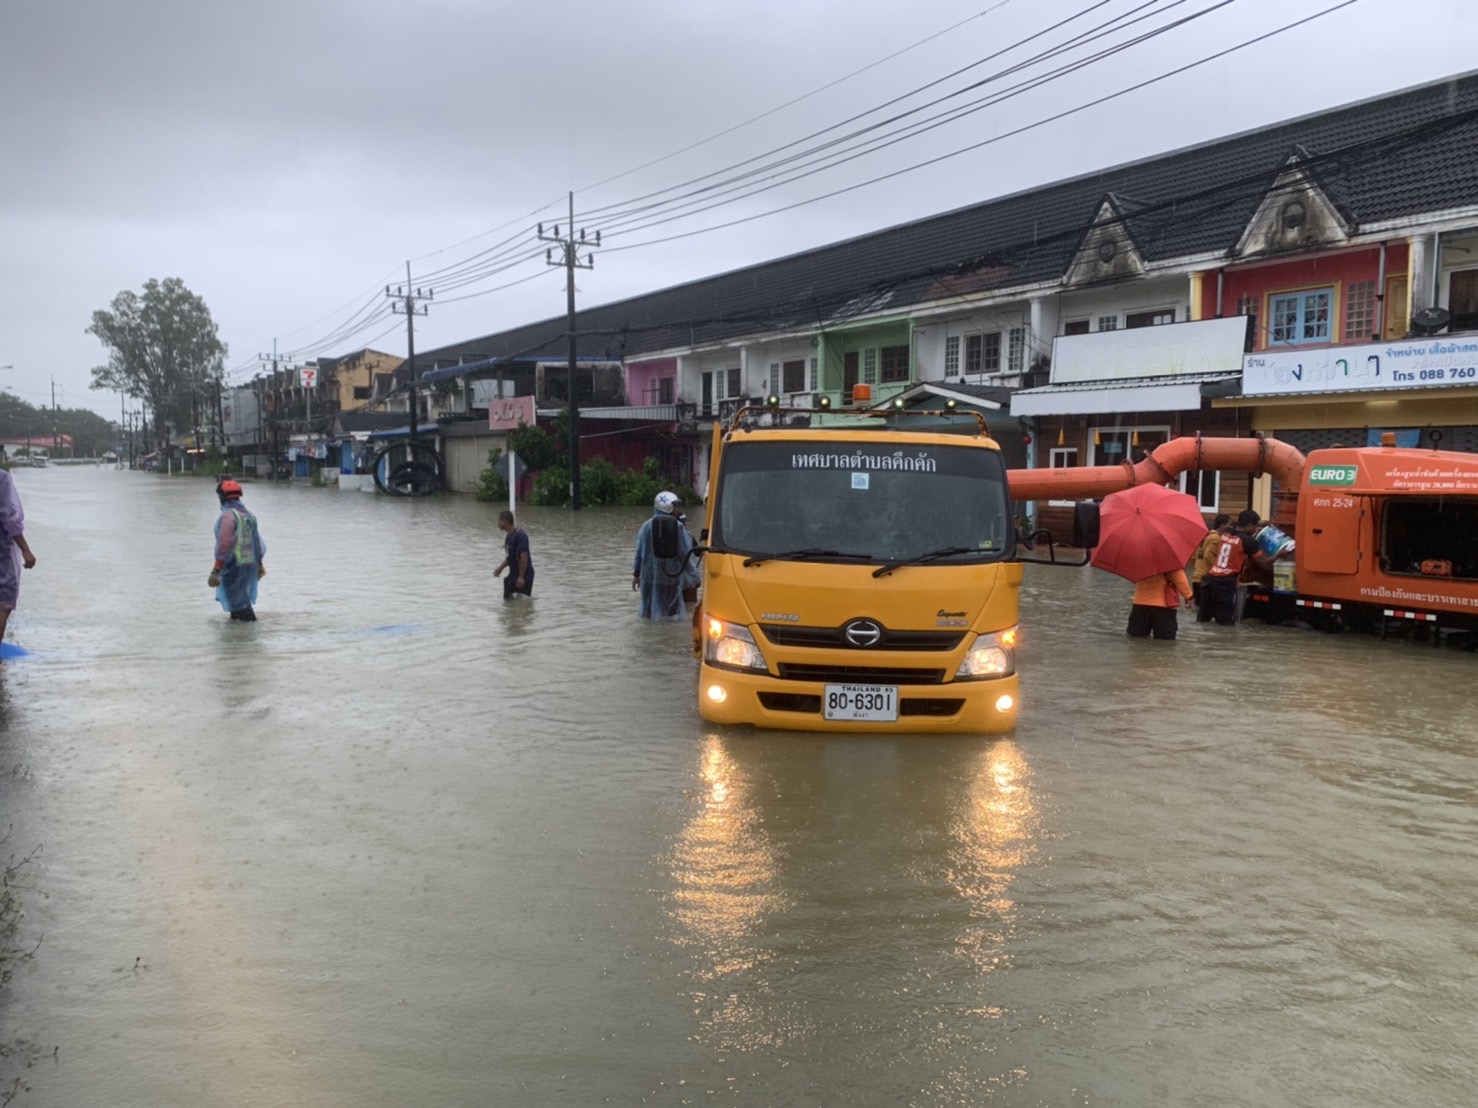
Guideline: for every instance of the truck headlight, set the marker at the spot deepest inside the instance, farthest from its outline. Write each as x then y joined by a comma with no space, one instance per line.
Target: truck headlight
731,646
989,656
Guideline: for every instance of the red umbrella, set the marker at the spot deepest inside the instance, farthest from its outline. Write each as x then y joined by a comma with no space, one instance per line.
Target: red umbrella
1147,529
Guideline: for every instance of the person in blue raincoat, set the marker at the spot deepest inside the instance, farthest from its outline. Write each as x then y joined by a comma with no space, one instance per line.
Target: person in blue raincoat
239,553
661,568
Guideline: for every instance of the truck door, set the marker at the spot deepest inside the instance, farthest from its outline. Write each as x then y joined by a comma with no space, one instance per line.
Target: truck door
1332,541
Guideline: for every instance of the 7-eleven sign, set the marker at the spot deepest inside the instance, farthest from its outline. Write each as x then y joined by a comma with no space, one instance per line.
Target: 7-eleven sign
307,376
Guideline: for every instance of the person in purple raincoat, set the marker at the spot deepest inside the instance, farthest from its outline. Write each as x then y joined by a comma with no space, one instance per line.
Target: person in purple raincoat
16,552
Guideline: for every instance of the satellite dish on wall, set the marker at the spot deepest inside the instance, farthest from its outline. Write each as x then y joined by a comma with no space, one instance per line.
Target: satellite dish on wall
1429,321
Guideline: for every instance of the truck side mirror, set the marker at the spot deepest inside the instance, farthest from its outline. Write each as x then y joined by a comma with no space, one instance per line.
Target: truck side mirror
703,535
1085,525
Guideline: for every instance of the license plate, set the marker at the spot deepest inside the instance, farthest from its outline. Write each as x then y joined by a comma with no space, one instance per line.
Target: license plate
860,702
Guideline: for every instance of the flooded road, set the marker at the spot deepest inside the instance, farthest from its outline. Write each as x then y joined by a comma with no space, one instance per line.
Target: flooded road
400,843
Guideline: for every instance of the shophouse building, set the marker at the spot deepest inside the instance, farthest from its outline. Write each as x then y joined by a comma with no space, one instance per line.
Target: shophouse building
1113,310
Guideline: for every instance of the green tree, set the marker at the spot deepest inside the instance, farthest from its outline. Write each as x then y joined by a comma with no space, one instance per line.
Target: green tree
90,433
538,448
163,348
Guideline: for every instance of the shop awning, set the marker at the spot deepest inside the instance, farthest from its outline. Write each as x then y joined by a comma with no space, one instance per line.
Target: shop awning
450,372
1161,394
655,413
423,430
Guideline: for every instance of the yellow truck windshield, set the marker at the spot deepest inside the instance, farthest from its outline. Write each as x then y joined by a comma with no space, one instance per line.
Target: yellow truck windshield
854,501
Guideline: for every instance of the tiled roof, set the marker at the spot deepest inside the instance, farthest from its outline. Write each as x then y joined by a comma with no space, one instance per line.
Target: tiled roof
1406,153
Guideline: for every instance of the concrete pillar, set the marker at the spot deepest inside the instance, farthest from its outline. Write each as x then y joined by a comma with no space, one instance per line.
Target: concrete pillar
1042,328
1423,287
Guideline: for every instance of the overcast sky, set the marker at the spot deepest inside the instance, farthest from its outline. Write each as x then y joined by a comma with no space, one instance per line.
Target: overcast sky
286,157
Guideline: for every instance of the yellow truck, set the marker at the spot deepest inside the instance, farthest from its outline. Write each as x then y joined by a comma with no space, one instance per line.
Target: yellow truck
859,574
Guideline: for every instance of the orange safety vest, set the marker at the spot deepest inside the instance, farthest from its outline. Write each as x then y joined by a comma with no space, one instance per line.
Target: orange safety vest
1229,557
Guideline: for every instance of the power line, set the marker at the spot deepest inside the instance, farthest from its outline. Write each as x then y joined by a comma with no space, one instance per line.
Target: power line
796,100
499,257
371,315
488,262
500,249
482,265
507,254
491,230
997,138
492,270
375,310
873,145
615,210
495,288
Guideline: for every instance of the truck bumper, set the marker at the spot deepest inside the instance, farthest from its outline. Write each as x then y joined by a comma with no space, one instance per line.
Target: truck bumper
960,707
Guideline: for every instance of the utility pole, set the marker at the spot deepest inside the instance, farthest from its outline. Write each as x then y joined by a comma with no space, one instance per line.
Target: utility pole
220,423
271,438
309,388
405,303
275,395
570,258
292,374
260,437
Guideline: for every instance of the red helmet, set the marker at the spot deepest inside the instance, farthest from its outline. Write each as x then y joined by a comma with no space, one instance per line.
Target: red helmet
228,489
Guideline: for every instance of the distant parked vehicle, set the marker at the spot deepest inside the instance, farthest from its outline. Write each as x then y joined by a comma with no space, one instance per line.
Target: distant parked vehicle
40,460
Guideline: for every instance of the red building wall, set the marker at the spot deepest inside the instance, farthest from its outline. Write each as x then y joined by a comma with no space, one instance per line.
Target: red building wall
1329,270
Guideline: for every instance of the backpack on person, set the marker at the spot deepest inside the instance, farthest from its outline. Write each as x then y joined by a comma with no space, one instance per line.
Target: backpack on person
665,542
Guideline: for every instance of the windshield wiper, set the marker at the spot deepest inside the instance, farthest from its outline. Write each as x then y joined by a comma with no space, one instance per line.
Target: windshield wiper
928,556
805,554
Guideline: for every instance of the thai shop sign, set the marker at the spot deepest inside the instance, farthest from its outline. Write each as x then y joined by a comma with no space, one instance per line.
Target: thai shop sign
1425,363
506,414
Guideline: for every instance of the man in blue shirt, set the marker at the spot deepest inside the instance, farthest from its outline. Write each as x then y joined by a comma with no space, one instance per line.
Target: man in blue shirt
516,559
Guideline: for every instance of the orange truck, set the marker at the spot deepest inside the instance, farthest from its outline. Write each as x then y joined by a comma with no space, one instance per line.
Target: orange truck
1382,535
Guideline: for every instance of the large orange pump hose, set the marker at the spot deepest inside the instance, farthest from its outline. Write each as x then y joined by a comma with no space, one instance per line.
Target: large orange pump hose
1182,455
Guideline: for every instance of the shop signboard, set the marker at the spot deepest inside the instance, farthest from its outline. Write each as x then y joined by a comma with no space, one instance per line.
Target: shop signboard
1417,364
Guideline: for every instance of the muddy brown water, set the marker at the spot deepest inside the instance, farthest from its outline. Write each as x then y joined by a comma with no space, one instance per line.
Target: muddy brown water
400,843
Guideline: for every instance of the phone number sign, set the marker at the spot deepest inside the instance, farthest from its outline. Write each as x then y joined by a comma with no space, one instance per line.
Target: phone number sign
1426,363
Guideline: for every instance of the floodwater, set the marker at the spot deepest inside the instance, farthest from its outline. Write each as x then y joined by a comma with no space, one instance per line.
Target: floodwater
399,843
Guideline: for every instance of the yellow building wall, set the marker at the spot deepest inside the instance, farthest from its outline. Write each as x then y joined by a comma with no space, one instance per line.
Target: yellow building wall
1437,407
360,372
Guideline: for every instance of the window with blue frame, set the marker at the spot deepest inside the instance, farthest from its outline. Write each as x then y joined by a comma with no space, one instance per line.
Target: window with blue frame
1299,317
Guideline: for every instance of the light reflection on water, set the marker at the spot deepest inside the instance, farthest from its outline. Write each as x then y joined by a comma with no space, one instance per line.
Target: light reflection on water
402,843
905,878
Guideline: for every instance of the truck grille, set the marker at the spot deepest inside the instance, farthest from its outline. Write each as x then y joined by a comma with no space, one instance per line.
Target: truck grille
909,706
784,634
861,675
